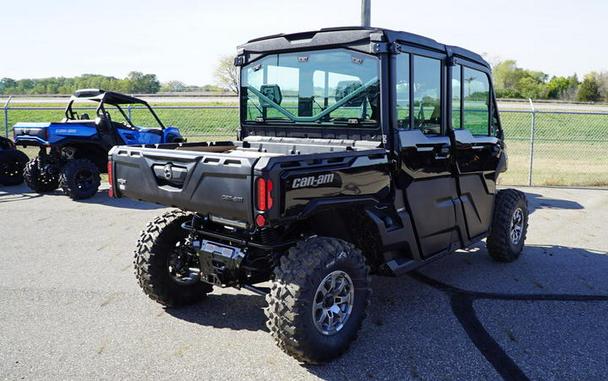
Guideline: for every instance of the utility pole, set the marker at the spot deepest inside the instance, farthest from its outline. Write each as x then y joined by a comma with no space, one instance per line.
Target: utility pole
365,13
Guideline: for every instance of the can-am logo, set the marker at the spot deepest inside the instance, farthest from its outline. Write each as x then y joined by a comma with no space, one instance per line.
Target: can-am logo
312,181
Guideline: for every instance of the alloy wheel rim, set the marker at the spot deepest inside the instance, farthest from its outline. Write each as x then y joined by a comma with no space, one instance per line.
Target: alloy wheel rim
333,302
517,226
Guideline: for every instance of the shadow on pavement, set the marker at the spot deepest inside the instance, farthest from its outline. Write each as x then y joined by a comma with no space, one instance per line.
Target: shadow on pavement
102,198
8,196
465,317
504,321
538,201
241,311
23,193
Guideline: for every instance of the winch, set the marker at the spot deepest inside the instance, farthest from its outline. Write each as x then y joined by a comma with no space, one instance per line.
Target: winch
219,262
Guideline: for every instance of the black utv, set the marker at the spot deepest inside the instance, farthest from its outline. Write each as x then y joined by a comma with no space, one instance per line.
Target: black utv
360,151
12,163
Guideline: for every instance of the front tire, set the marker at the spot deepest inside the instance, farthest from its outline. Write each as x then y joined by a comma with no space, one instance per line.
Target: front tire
158,274
509,226
80,179
12,164
40,178
318,299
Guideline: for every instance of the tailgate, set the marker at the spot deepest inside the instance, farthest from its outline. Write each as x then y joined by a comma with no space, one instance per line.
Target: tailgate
210,183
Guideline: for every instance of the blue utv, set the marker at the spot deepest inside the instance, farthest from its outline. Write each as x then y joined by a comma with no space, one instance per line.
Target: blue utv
74,152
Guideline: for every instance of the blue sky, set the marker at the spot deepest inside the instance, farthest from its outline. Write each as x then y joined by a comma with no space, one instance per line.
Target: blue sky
182,39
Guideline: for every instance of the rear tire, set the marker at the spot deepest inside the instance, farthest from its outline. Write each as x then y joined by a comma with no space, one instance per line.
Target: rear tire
38,178
12,163
156,245
80,179
509,226
319,279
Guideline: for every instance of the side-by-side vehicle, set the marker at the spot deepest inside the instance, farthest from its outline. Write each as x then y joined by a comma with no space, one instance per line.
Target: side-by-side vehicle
361,151
74,151
12,162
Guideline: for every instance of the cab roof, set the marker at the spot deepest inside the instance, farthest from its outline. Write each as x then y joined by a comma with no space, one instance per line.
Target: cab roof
108,97
368,40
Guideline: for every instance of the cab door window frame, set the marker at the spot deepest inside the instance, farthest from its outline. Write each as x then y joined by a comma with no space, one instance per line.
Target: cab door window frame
494,129
442,58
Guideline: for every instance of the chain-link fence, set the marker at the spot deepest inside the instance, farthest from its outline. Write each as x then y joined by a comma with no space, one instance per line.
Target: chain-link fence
545,147
556,148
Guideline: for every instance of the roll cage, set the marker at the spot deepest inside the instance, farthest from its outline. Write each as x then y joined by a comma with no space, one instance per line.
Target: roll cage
103,97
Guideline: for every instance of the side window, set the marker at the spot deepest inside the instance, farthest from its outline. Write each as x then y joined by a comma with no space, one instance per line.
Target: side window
427,94
476,94
402,90
456,97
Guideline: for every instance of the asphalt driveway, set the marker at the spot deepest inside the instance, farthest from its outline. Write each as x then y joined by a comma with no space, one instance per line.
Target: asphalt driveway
70,307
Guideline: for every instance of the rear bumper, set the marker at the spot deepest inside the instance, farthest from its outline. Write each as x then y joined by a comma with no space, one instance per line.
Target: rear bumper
239,242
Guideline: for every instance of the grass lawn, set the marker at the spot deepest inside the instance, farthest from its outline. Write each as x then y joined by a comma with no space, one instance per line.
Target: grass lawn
569,149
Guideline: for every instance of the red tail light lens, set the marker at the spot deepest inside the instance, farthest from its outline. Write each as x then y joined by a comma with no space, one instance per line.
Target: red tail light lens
263,194
269,194
110,173
260,220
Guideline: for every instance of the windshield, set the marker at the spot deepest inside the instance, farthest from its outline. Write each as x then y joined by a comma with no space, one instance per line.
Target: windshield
322,87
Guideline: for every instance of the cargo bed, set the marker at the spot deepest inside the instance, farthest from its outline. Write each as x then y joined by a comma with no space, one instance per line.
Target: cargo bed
211,178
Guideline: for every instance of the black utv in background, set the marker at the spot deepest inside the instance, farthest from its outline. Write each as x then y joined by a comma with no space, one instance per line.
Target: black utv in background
12,162
361,151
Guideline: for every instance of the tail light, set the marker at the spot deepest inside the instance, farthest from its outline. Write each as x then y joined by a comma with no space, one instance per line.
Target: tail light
110,174
263,194
263,199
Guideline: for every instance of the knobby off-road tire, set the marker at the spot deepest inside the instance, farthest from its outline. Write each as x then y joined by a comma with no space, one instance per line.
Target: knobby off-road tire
291,320
12,163
509,226
80,179
38,179
151,262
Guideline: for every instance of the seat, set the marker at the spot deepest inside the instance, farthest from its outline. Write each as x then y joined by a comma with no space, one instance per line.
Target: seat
107,131
155,131
344,88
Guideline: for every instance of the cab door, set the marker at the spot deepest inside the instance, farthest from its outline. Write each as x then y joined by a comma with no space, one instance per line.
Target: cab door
424,148
477,149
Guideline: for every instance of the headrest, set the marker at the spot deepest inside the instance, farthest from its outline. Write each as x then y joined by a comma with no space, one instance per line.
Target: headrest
343,88
273,92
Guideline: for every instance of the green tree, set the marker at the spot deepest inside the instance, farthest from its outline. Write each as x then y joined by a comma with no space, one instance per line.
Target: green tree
227,75
529,87
589,90
507,74
511,81
143,83
602,79
557,87
6,84
173,87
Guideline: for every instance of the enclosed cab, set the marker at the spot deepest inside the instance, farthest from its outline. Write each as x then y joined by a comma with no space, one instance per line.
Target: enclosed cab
361,150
